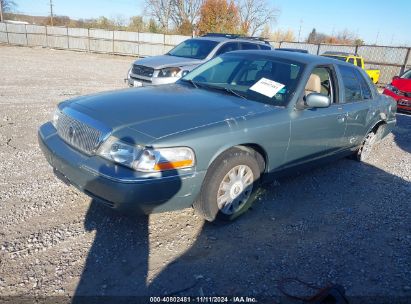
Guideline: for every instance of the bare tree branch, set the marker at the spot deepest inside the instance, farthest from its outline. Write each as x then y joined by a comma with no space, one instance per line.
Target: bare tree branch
255,14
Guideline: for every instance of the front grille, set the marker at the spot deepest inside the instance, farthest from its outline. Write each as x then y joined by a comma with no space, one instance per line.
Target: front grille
143,71
78,134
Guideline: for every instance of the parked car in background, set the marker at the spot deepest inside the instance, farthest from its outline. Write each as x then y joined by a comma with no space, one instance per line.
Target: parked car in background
374,74
209,140
186,56
400,90
292,50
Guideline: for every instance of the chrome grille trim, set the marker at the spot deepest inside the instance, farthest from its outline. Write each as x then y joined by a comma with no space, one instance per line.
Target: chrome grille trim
78,134
142,71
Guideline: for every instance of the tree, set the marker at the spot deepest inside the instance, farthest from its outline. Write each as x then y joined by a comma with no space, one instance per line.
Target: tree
137,24
185,14
312,37
152,26
219,16
280,35
161,11
6,6
255,14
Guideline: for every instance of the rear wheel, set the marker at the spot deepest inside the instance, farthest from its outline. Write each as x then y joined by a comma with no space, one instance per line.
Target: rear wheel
365,151
230,186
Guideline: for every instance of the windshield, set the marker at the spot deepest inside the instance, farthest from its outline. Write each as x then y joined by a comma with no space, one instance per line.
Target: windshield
193,48
264,79
407,75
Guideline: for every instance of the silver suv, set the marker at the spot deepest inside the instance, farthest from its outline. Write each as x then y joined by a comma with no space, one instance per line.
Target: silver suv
186,56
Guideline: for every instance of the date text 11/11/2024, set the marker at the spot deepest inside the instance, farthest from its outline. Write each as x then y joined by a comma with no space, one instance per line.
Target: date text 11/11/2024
203,299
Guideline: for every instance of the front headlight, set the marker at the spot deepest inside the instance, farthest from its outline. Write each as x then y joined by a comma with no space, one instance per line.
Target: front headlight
169,72
120,152
55,118
392,88
146,159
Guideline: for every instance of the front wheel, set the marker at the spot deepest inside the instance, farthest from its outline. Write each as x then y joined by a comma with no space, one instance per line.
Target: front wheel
230,186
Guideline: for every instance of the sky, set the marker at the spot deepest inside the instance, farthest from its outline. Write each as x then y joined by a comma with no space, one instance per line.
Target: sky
373,21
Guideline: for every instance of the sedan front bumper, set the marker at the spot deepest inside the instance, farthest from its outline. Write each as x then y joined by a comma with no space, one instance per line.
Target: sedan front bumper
117,186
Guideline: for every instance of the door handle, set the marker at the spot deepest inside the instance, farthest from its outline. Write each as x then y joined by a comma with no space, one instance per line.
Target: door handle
341,118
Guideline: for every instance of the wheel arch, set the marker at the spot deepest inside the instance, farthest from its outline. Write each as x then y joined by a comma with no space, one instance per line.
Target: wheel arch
260,153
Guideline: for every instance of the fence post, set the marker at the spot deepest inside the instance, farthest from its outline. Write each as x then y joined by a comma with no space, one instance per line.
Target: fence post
138,44
47,37
356,50
113,42
318,49
404,67
27,38
68,40
88,39
279,45
7,33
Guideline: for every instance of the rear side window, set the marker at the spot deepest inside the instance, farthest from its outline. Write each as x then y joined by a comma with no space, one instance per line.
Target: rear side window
264,47
352,87
249,46
228,47
351,60
359,63
365,88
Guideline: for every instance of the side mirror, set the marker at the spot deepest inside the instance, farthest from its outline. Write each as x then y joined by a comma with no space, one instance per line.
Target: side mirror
316,100
184,73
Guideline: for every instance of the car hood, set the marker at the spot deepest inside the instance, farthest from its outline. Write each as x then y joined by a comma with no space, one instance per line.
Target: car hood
402,84
160,111
159,62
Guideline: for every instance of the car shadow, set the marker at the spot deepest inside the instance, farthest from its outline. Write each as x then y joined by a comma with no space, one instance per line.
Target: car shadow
326,226
341,223
402,132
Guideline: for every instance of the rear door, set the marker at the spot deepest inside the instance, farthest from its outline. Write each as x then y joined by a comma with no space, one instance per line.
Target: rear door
358,102
317,132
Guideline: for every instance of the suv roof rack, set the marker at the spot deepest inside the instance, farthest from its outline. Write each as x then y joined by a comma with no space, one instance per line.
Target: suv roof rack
235,36
338,53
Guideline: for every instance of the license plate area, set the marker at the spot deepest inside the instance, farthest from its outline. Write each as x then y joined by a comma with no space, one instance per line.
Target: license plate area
137,84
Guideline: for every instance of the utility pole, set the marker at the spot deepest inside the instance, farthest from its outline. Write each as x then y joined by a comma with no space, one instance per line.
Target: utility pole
299,31
51,12
1,11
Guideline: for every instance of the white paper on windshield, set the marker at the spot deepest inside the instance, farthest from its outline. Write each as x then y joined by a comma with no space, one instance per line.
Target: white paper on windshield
267,87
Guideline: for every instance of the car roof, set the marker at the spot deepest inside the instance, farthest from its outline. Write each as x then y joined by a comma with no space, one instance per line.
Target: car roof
295,56
221,39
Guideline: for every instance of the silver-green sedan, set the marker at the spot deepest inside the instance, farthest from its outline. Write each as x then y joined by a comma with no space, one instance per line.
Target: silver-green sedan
210,139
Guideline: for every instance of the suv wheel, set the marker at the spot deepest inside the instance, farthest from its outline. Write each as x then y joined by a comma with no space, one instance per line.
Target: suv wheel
230,186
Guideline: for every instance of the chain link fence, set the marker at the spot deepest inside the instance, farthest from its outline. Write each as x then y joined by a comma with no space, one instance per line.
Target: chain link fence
391,61
90,40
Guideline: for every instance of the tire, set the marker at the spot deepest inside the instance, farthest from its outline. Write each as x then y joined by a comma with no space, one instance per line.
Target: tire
230,186
364,152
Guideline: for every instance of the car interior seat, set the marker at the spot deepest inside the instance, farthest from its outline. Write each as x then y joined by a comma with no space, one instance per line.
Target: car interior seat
313,85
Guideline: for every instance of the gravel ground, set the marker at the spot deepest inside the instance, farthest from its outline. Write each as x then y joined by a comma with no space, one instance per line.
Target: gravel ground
345,223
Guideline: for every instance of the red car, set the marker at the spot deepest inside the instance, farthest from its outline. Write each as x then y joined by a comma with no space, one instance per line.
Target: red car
400,90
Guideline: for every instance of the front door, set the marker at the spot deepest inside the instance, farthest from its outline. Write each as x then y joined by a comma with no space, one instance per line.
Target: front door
317,132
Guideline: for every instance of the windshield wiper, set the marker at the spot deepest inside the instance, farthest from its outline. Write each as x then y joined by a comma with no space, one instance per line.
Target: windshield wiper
228,90
232,92
194,84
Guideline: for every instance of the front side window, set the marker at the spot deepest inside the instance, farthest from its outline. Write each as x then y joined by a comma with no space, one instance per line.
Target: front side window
249,46
352,87
321,81
193,48
351,60
359,62
228,47
239,73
